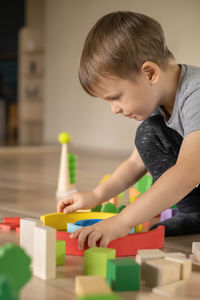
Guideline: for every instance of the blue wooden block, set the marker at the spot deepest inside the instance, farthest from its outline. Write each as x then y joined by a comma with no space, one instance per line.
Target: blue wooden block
71,227
87,222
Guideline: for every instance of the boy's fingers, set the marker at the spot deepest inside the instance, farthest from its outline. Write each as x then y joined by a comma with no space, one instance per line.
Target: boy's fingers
71,208
83,235
93,238
75,234
63,203
104,242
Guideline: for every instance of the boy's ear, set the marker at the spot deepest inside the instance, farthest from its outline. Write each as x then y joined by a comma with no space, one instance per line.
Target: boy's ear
151,71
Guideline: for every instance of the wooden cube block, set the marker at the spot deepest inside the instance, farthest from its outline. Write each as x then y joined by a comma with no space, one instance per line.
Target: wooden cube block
123,274
95,260
161,271
193,285
175,289
60,252
186,265
90,285
196,250
147,254
195,263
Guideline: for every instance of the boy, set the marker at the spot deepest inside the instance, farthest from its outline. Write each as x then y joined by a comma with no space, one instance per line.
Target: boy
126,62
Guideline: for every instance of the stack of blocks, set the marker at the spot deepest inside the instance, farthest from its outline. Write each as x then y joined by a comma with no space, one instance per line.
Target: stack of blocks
99,264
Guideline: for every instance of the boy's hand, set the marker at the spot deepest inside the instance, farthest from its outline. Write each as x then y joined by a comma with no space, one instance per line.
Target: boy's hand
104,231
77,201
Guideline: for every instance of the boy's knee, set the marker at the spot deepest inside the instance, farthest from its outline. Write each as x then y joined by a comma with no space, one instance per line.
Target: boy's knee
147,131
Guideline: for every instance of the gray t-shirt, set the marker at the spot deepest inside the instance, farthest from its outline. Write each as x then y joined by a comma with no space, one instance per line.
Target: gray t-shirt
185,117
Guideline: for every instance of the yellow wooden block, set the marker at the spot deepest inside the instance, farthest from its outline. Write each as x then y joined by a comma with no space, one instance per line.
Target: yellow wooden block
138,228
60,220
88,285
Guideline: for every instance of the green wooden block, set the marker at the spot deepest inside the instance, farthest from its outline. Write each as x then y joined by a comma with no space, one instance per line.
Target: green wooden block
95,260
97,208
120,208
100,297
144,183
123,274
15,263
60,252
109,207
7,291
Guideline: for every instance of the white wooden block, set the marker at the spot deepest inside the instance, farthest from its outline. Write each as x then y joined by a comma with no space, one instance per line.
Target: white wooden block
147,254
175,289
175,254
196,250
88,285
161,271
26,234
44,250
186,266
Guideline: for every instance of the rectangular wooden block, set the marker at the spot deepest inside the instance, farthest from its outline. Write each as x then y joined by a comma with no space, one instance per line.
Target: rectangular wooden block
175,289
147,254
195,263
161,271
26,234
44,252
91,284
186,266
196,250
175,254
60,252
193,285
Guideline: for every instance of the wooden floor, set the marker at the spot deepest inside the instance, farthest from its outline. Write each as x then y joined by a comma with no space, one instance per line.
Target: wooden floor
28,180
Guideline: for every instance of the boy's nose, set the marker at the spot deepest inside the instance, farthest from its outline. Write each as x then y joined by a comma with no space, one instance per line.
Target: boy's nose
115,109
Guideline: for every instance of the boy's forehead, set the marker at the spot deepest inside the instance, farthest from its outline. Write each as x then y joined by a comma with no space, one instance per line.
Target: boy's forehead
106,85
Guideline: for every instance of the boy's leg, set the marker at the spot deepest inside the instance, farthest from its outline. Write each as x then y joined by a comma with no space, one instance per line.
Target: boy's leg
158,146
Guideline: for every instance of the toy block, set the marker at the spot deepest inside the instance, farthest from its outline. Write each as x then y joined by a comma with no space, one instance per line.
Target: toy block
90,285
195,263
97,208
5,227
144,183
44,252
15,264
138,228
161,271
60,253
147,254
100,297
26,234
17,230
109,208
168,213
175,289
196,250
126,246
186,265
174,255
123,274
133,192
95,260
7,291
71,227
120,208
192,286
13,220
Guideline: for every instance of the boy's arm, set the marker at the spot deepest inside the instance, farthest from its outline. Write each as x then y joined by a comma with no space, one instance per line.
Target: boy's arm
171,187
128,173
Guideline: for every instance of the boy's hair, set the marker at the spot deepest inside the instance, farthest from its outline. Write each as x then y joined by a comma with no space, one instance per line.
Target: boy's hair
118,44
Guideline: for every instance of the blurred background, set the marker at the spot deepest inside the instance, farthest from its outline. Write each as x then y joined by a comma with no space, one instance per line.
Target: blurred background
40,46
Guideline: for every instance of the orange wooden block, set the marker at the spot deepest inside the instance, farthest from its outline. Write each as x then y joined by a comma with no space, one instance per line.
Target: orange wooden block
133,193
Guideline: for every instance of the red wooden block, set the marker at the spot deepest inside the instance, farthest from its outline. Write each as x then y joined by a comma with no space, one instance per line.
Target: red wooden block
126,246
12,220
17,230
5,227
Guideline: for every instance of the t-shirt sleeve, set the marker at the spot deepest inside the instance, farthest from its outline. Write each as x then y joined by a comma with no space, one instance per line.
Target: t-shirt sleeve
190,113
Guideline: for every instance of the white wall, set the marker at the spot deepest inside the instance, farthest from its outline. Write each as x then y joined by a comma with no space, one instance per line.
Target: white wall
68,107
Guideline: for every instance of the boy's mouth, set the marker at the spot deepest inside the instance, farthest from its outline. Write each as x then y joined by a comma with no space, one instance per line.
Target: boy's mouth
132,116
